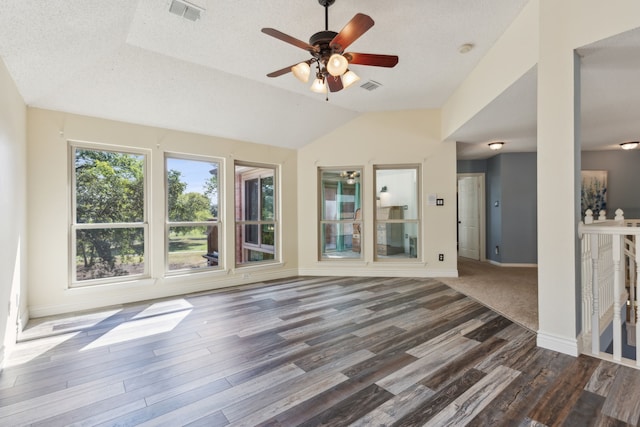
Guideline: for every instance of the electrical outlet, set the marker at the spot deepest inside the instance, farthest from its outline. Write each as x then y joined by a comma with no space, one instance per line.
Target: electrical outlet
497,250
440,257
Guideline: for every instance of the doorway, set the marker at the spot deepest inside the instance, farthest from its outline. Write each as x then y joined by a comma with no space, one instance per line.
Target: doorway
471,216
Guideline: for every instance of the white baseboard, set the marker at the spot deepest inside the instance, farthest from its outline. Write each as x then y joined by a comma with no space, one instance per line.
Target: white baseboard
88,298
570,346
506,264
23,319
377,272
173,286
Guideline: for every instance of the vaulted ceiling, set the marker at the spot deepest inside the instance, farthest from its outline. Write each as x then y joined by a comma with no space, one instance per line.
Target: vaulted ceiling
134,61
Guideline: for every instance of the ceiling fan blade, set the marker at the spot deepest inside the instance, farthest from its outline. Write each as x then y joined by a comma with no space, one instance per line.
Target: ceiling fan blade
278,73
334,83
373,59
288,39
358,25
286,70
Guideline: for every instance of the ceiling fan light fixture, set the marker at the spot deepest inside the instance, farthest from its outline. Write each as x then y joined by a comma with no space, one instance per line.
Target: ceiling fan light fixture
301,71
349,78
496,145
318,86
337,65
629,145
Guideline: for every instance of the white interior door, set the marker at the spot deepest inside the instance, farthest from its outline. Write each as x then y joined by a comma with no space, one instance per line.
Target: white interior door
469,216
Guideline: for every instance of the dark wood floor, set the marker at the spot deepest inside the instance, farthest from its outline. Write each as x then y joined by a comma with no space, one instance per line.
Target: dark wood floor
307,351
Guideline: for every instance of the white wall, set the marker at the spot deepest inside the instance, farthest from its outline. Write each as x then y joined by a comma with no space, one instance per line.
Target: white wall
13,226
564,26
49,210
388,138
515,53
547,32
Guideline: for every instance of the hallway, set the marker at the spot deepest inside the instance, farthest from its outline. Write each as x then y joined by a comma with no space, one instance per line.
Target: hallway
510,291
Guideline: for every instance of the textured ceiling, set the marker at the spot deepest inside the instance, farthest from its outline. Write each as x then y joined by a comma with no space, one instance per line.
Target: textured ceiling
609,104
134,61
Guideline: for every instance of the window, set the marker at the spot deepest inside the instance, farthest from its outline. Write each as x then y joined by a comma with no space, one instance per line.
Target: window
340,214
193,225
256,215
397,212
109,230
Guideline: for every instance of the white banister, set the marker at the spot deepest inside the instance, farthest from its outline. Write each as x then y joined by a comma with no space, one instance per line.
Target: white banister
595,292
609,265
617,321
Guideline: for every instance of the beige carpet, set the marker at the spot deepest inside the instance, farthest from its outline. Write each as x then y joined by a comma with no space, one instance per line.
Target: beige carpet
510,291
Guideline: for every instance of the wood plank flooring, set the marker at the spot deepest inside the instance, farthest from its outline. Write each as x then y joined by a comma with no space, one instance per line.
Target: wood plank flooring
305,352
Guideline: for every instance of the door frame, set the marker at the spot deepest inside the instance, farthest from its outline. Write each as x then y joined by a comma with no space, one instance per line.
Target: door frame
482,226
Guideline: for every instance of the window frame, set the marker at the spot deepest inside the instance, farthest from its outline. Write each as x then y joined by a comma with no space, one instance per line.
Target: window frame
168,223
74,225
322,222
415,222
241,223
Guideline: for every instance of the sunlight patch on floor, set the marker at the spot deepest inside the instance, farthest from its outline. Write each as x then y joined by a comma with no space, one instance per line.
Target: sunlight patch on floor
27,351
139,328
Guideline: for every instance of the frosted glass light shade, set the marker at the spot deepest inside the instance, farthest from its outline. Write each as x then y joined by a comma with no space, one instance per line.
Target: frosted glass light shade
337,65
349,78
301,71
496,145
318,86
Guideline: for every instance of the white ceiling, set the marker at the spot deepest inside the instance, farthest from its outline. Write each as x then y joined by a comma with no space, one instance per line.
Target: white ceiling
609,101
134,61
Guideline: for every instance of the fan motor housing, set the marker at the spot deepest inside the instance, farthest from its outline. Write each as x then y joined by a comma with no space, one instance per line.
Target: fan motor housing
321,40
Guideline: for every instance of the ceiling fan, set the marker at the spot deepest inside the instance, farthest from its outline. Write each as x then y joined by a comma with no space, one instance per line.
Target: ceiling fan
327,49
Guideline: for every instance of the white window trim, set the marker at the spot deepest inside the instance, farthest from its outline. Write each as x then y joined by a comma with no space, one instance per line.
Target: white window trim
417,221
274,172
322,221
218,222
73,145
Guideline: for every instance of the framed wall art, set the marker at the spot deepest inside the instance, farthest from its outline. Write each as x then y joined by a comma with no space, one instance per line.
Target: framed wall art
593,192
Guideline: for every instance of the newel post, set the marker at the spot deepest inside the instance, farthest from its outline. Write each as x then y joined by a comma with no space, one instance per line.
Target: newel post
588,216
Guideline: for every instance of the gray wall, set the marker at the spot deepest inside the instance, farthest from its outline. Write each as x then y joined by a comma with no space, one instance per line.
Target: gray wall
519,208
511,181
494,213
472,166
623,175
512,224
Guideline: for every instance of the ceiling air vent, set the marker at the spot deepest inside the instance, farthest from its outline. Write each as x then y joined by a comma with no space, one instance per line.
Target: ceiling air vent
185,9
370,85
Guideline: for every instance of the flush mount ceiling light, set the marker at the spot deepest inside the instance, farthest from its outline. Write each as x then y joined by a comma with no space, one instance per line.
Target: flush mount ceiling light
467,47
327,49
629,145
496,145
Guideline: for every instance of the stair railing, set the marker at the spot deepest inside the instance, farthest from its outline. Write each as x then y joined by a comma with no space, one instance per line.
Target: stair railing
609,266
